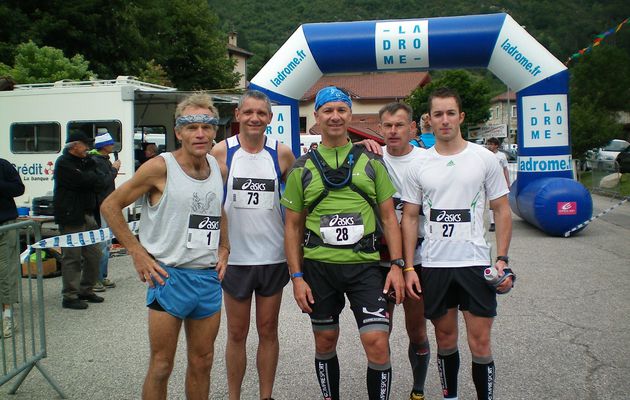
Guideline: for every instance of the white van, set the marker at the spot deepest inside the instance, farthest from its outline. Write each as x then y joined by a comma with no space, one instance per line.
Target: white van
36,119
307,140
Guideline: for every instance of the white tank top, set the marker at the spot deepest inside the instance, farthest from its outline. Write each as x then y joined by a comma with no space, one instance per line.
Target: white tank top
252,205
397,169
182,229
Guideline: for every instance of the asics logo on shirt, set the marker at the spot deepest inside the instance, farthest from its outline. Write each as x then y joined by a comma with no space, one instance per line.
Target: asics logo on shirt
209,223
253,184
450,215
338,220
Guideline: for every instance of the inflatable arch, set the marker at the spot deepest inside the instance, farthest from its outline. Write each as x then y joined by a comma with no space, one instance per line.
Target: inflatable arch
544,193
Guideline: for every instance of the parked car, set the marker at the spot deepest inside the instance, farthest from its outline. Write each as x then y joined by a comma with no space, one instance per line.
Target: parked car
511,156
623,159
607,155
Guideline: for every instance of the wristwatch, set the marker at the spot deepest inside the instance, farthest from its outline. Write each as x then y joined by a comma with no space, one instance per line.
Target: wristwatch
398,262
505,259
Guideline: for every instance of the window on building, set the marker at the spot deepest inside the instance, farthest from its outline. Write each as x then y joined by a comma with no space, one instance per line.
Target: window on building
93,128
302,124
496,110
40,137
513,112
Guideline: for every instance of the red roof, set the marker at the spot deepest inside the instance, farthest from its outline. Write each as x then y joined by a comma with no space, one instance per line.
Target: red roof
504,97
374,85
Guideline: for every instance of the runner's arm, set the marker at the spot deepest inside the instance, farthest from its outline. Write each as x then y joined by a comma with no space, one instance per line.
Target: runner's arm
409,227
503,221
151,176
391,230
224,246
293,234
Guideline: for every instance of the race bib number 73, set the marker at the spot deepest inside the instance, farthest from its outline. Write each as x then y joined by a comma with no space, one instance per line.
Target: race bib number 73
203,232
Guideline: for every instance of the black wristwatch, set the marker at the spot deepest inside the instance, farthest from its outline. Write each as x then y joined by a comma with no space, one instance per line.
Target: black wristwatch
398,262
505,259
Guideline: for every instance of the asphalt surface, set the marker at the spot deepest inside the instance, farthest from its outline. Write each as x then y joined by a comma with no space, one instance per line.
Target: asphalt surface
562,333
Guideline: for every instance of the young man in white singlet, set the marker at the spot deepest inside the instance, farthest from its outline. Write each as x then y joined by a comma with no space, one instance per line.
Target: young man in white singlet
451,182
183,248
256,167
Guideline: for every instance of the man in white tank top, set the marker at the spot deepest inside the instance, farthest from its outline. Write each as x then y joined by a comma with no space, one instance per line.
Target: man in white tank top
256,167
398,128
451,182
183,239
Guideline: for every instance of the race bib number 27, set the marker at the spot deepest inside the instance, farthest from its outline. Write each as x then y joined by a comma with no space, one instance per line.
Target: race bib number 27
450,224
203,232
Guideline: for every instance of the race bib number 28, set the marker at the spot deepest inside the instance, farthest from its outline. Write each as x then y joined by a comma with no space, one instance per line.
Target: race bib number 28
341,229
450,224
203,232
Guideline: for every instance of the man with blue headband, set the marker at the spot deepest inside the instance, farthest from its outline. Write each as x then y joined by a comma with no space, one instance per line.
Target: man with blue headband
183,248
338,202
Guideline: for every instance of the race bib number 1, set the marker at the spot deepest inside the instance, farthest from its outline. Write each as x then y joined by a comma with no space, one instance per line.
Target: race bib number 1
450,224
341,229
203,232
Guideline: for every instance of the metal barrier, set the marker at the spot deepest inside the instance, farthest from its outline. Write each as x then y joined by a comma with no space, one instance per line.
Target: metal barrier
605,177
26,346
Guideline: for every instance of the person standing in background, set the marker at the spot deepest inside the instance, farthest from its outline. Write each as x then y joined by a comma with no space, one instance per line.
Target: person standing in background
103,147
10,186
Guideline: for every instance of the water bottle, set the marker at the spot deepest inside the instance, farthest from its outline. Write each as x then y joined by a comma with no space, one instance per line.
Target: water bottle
491,274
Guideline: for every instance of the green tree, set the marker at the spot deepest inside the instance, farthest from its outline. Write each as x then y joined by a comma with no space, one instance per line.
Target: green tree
591,126
473,90
117,37
154,73
35,64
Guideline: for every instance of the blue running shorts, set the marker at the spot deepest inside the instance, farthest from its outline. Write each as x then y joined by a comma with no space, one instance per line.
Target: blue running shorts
188,293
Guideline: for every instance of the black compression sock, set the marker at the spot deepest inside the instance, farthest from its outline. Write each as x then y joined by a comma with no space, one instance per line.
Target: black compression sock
379,381
419,355
327,370
448,366
484,375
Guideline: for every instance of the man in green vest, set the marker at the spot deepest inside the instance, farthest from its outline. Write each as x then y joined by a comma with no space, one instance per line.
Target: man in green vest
338,202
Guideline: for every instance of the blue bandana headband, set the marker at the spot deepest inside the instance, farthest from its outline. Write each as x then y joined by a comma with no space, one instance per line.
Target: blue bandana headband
196,119
329,94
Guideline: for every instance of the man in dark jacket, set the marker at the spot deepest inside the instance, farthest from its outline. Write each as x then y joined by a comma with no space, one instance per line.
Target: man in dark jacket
76,183
103,147
10,186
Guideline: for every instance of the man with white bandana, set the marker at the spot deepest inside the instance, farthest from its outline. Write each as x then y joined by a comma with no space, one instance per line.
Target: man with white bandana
338,202
183,248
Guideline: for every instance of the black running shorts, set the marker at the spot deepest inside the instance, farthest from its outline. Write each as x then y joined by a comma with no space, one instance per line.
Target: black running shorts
240,281
362,283
466,287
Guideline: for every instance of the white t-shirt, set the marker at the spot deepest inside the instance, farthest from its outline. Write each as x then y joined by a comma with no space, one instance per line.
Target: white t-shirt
452,191
397,167
503,162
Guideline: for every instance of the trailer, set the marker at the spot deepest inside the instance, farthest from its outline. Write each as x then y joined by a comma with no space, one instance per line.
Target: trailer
36,119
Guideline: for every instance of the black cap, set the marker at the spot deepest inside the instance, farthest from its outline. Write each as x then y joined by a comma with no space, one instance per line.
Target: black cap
80,137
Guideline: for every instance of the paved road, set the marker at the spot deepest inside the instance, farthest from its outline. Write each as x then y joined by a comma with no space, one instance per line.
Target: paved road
563,333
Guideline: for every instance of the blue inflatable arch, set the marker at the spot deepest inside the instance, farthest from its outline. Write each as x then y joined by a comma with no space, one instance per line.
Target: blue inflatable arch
544,193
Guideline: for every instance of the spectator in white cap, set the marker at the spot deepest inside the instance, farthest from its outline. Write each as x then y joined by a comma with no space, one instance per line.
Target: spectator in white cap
103,147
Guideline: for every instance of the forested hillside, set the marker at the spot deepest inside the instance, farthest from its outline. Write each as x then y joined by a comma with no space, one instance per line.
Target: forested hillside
562,26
